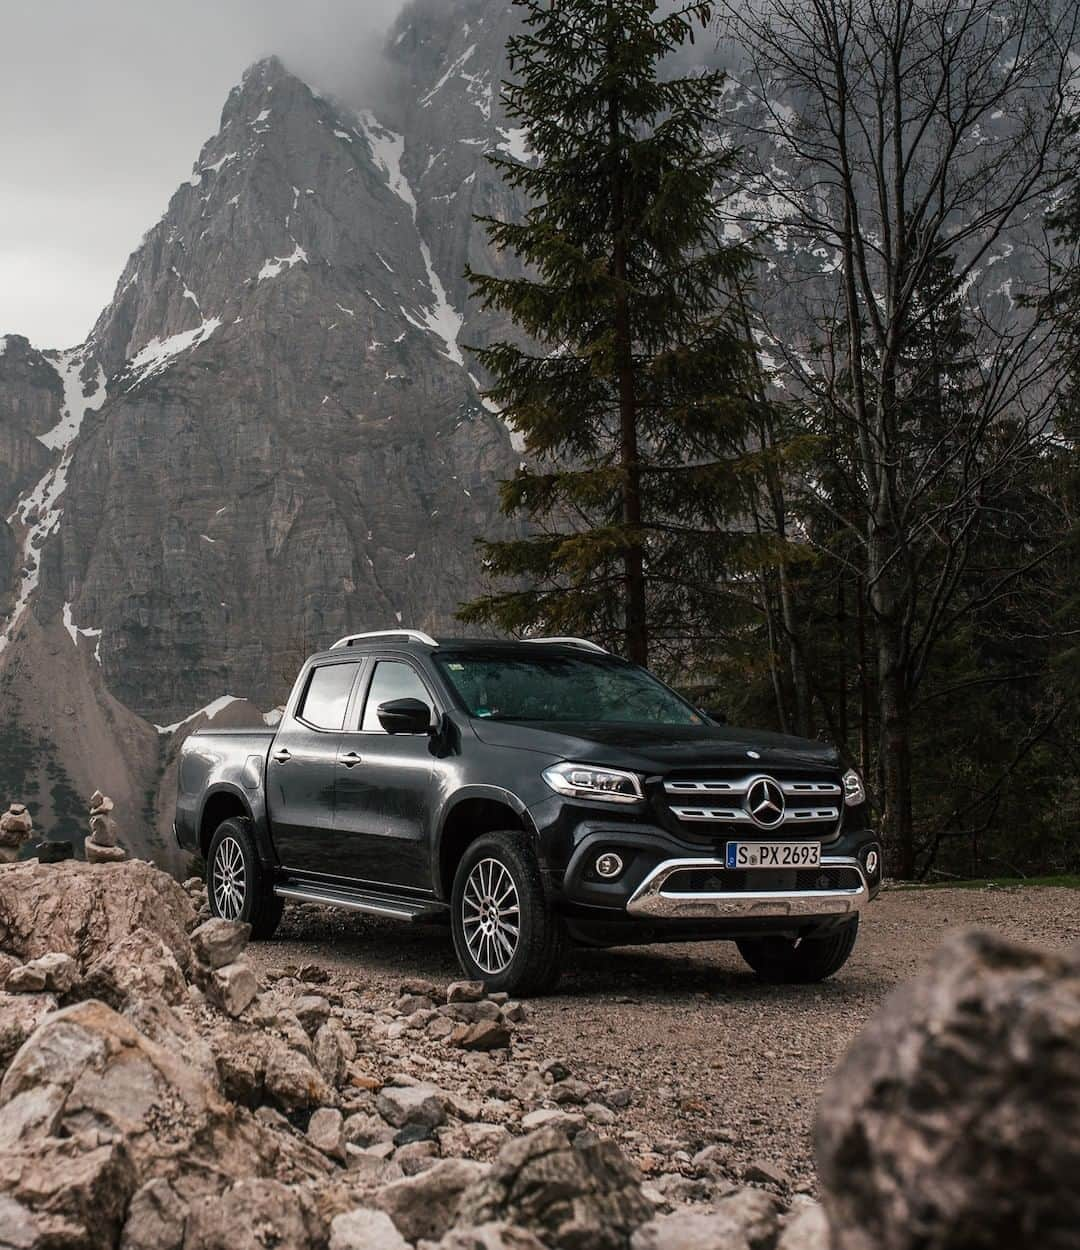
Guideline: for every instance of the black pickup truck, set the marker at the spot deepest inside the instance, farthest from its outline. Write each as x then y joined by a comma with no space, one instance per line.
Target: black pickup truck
531,794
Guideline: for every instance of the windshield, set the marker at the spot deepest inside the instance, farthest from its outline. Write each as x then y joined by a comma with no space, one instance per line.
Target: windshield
563,688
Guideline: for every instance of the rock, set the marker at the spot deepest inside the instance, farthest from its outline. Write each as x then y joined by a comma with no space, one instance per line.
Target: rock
219,942
806,1229
477,1141
82,910
139,965
312,1010
325,1132
421,987
16,827
117,1085
293,1082
25,979
97,854
484,1035
58,973
363,1129
254,1215
762,1172
568,1122
490,1237
54,852
230,989
333,1050
746,1220
553,1070
587,1199
954,1118
403,1105
597,1113
570,1090
64,1194
365,1229
7,964
20,1014
427,1205
416,1157
465,991
155,1219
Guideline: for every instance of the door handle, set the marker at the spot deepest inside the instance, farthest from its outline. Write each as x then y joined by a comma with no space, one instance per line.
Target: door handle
350,759
282,756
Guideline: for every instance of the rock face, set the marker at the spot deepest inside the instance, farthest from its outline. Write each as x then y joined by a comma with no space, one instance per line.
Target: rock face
954,1120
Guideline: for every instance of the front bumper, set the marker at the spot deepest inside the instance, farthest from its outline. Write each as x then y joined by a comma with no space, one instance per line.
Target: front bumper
658,899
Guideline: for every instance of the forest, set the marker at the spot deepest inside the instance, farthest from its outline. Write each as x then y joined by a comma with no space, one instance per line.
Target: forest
795,353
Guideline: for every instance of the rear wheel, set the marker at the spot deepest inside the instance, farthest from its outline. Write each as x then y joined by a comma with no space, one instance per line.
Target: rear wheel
237,886
504,932
784,961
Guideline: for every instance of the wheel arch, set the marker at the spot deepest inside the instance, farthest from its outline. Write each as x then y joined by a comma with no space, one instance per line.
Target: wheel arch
220,804
473,812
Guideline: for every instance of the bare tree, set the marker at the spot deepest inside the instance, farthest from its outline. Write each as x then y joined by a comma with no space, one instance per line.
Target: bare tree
926,140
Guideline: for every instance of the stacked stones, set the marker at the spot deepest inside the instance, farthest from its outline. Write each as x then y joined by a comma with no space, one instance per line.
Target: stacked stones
226,979
195,889
101,847
16,827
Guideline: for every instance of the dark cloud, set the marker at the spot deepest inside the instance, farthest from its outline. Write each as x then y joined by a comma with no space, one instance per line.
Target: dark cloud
104,106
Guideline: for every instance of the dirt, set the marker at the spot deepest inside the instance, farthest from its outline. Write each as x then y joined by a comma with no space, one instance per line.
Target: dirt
708,1053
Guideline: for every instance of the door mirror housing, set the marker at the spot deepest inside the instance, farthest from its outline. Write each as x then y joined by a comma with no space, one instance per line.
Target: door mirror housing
405,716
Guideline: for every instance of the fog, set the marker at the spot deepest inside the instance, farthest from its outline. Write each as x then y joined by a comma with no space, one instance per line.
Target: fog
103,108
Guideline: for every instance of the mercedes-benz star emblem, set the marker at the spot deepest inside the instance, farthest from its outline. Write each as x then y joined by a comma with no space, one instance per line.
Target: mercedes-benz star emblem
765,802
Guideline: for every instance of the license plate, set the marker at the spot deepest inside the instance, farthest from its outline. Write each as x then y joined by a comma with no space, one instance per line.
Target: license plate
773,854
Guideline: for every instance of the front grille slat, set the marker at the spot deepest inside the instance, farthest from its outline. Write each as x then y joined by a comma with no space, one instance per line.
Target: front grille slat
714,804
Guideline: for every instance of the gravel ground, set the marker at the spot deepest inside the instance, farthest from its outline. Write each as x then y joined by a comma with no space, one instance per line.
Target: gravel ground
709,1053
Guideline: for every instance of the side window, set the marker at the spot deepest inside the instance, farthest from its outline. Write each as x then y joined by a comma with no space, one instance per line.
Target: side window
327,696
391,680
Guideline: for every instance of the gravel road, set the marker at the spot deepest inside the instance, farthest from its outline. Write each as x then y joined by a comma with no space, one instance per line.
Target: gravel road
709,1053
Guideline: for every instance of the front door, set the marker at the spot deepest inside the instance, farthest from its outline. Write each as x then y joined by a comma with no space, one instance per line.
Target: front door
302,768
382,803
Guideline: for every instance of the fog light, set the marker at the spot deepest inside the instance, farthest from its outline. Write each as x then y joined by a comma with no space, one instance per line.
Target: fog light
872,863
608,865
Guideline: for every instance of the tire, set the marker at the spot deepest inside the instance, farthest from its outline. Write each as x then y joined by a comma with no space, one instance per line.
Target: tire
782,961
237,885
501,868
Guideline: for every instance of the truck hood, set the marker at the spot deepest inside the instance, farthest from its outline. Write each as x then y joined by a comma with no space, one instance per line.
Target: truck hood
657,748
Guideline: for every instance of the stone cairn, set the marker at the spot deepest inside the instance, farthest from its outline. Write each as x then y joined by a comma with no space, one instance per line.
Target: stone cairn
16,827
225,978
101,845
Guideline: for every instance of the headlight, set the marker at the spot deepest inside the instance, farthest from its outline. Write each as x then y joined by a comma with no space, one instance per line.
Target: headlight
854,793
580,781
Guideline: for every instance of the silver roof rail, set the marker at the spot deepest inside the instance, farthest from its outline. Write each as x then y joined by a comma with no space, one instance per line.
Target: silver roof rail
413,635
571,642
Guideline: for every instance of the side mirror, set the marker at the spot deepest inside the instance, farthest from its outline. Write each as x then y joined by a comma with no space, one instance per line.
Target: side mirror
404,716
716,714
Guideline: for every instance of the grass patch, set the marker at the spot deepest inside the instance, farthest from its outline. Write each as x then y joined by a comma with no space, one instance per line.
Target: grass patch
1068,881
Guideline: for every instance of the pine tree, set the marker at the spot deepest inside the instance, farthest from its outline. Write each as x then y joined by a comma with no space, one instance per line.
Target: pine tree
631,396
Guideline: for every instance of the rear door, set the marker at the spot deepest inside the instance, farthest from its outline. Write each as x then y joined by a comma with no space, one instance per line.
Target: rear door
383,801
302,766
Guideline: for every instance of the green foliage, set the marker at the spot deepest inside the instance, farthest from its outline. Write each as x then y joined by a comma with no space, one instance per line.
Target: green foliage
632,391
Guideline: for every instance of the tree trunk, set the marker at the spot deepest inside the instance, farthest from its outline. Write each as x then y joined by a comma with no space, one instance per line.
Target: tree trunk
637,636
895,752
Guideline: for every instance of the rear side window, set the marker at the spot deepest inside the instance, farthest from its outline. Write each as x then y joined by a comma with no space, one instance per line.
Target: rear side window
392,680
327,696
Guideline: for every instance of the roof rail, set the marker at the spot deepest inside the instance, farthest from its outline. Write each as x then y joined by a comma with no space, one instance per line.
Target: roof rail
584,643
413,635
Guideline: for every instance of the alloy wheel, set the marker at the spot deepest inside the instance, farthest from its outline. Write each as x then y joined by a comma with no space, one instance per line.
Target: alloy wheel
230,879
491,916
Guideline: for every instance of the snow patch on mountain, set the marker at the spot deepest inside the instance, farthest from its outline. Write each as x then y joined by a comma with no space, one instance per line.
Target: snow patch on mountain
156,356
39,510
440,318
75,631
209,711
279,264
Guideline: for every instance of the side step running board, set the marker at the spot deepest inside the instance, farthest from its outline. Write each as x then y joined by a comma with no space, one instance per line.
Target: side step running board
367,901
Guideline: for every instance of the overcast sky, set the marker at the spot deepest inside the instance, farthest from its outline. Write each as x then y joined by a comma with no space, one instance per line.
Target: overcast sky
104,105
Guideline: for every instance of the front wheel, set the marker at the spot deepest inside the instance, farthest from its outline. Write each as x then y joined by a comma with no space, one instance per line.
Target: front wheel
801,961
237,887
504,932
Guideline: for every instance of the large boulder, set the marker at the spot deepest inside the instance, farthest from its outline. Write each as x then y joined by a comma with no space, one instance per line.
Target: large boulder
83,909
20,1014
572,1199
108,1082
954,1119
